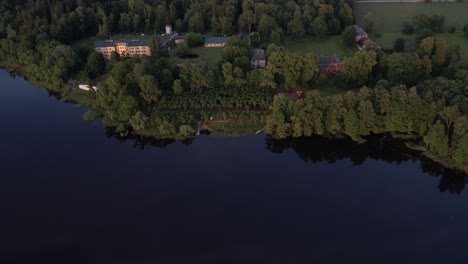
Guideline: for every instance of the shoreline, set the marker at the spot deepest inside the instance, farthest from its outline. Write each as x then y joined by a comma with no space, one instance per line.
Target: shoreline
17,71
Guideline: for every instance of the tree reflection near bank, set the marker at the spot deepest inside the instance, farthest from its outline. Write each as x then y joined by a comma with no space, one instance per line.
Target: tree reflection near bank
318,149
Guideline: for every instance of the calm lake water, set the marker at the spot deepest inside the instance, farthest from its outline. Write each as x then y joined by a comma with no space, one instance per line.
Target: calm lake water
72,193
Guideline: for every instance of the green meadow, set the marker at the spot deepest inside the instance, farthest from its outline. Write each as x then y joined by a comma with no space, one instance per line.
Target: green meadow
390,16
324,45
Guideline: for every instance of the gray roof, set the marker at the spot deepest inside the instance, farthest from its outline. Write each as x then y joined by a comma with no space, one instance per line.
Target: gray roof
103,44
257,54
214,40
138,43
325,60
111,43
360,31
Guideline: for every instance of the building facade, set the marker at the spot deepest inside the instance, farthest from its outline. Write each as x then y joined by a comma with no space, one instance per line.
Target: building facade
257,58
329,64
215,42
124,47
169,30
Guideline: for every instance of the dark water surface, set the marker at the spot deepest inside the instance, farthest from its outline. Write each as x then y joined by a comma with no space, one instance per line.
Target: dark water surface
70,193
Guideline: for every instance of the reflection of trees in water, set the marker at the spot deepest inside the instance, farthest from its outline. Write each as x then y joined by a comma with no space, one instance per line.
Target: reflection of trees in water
141,142
451,181
318,149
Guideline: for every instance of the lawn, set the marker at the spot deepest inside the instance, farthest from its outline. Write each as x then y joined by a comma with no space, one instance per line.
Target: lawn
323,46
210,56
458,39
390,16
387,39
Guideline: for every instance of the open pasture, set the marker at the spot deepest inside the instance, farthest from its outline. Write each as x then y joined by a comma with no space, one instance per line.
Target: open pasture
390,16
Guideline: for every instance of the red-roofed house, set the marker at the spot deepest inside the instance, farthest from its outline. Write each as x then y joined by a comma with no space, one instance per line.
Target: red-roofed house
330,64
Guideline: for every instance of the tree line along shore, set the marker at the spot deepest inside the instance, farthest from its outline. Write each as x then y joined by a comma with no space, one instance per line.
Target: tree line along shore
416,89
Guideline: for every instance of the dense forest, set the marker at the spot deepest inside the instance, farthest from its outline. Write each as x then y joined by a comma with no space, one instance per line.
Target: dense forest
415,91
72,19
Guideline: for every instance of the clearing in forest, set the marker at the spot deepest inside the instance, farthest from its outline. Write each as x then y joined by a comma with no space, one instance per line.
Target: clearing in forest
325,45
209,56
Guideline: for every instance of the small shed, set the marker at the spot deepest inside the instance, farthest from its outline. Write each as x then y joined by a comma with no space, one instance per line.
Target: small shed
361,35
257,58
215,42
330,64
86,87
169,30
179,39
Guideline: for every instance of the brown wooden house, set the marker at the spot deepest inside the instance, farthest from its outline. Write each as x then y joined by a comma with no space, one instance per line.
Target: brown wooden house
361,37
329,64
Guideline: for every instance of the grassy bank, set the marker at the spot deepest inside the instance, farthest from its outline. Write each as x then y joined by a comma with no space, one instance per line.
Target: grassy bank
234,128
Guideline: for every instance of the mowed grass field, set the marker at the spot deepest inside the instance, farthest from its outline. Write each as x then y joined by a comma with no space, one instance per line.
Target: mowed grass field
323,46
390,16
209,56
